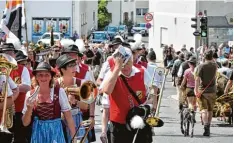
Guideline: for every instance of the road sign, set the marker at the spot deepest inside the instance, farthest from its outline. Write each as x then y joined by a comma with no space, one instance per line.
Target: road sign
148,17
148,25
196,33
200,14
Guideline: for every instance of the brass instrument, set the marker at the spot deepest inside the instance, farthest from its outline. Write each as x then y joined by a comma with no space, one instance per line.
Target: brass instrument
221,81
87,92
7,64
223,105
88,124
155,121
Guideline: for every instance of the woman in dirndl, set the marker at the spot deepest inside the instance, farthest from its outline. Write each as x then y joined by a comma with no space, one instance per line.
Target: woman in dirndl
67,69
44,105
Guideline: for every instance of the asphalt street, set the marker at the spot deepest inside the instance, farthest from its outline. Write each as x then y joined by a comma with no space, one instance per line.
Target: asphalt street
169,113
170,132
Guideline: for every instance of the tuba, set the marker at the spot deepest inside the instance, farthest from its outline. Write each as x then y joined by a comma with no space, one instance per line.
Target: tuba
7,64
87,92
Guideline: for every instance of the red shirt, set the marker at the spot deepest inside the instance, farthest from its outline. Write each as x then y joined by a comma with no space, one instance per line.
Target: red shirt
144,64
16,76
119,102
83,70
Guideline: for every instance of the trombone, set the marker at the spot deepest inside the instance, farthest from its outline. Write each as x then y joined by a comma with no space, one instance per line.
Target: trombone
155,121
88,124
7,64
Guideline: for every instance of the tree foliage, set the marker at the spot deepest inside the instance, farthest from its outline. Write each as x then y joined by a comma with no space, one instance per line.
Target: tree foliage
104,17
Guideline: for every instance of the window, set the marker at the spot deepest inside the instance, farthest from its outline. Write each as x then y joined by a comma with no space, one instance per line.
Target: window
132,16
94,16
144,11
110,17
99,36
81,19
126,16
141,11
138,11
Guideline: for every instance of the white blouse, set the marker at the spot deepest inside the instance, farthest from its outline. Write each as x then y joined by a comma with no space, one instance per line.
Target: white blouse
63,100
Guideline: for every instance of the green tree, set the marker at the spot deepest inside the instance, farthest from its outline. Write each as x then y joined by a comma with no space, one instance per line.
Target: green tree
104,17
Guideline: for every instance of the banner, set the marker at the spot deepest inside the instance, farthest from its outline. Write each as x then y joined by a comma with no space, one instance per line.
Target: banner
64,26
11,21
38,26
51,23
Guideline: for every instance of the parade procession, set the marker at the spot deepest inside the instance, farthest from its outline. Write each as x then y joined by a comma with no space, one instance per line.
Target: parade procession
120,90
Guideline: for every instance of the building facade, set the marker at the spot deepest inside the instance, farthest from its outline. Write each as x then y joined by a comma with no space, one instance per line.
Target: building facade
172,23
127,10
64,16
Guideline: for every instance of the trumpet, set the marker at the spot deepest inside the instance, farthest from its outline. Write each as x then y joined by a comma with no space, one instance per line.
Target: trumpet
7,64
86,93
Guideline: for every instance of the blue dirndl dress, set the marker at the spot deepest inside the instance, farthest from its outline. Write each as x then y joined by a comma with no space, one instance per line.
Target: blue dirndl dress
77,117
47,131
47,124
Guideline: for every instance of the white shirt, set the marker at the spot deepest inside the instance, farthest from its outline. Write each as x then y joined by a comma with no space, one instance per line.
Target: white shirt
25,77
63,100
147,82
179,73
105,68
11,84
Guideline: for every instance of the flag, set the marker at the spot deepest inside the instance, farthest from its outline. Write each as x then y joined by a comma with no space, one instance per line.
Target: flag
11,22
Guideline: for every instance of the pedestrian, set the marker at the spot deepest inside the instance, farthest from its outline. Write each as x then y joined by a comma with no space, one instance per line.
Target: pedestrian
122,100
205,89
180,74
189,80
44,109
67,68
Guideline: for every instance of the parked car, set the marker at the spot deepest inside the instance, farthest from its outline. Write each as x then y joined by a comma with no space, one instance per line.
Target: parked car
123,31
99,37
112,31
45,38
141,29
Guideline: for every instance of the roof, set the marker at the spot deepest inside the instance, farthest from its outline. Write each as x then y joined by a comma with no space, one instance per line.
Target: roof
218,22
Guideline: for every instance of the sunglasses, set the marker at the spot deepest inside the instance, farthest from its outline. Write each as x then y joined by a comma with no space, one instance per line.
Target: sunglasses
71,65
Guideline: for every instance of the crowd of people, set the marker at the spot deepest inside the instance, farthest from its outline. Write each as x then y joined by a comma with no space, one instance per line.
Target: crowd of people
127,78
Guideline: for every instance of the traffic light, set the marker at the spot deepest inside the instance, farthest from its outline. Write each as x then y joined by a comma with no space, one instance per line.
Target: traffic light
195,20
203,26
196,33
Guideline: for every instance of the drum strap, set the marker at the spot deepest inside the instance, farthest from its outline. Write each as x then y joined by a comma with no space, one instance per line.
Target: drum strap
130,89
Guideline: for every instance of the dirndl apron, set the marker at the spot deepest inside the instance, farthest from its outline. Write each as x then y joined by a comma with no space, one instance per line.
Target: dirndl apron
47,124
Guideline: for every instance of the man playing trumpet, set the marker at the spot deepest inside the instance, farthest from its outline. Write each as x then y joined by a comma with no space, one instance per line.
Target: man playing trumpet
119,84
67,68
